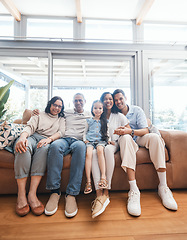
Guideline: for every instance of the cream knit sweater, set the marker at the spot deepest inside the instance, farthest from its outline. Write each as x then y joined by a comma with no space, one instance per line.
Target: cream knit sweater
45,124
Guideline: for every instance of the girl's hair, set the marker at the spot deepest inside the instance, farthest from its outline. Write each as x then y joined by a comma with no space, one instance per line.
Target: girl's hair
52,101
102,98
103,120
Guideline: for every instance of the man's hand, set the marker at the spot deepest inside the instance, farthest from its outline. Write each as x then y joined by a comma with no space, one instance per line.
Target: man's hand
35,112
123,131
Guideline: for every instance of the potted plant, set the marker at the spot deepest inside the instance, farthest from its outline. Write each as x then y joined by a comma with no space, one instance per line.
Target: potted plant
4,94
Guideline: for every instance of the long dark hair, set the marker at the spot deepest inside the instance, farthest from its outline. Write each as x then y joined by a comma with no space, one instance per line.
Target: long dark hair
114,93
53,100
103,120
102,98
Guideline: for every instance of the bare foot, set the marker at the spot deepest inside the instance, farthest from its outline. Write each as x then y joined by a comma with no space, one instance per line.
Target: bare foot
33,200
21,201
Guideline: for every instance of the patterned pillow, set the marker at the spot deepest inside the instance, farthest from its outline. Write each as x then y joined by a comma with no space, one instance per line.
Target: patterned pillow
8,133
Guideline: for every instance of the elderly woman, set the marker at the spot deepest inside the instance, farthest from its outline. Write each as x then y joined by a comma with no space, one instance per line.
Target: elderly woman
31,153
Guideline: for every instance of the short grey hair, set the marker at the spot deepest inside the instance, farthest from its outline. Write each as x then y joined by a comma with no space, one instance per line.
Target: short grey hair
80,95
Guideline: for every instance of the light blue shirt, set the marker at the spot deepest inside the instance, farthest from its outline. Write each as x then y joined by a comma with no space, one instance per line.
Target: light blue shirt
94,128
137,118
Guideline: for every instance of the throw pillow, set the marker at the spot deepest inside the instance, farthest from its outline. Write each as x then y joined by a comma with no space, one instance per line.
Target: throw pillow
8,133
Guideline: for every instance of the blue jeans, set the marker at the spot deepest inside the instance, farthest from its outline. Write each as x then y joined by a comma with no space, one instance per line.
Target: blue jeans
58,149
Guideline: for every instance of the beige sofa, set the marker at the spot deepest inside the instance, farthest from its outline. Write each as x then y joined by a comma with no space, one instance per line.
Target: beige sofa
176,162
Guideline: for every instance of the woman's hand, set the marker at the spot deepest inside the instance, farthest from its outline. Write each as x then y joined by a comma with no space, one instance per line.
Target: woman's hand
111,142
44,142
86,141
122,131
21,145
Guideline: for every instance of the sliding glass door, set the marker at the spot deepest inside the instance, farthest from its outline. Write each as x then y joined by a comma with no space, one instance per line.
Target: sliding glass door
167,77
91,76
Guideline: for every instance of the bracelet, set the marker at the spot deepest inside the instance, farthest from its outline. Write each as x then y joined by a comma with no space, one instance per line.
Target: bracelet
132,133
51,139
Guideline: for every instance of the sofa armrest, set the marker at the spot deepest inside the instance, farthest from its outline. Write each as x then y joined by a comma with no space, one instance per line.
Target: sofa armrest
176,143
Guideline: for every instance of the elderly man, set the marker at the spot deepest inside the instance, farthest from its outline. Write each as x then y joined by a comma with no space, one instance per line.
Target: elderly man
71,143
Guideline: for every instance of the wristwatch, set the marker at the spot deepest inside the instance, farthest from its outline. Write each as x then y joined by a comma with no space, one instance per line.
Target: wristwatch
132,133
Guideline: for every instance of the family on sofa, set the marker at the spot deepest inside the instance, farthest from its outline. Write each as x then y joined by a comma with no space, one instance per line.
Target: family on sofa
52,134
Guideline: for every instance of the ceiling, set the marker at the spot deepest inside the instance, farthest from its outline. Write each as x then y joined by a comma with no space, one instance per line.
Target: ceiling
94,73
150,10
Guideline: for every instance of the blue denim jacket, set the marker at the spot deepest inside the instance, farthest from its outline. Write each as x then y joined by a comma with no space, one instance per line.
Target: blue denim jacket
94,128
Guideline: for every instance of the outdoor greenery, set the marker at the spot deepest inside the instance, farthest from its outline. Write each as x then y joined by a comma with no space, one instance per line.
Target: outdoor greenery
4,95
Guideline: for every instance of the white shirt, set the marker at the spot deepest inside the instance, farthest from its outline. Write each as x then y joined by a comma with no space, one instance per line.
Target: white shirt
115,121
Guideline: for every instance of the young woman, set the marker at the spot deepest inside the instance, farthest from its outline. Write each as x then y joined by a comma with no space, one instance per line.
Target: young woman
31,153
116,121
95,137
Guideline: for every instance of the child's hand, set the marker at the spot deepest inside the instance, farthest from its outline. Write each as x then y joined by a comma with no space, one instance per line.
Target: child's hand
111,142
86,141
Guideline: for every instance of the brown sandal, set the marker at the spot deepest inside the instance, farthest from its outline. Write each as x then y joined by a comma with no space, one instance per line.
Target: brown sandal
103,184
88,188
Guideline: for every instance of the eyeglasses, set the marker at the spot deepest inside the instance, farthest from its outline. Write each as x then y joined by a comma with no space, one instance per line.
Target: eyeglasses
57,106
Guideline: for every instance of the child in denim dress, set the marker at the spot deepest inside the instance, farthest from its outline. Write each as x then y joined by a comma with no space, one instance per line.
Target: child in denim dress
96,137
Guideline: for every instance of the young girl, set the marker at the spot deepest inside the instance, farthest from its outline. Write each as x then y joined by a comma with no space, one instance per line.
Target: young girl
96,137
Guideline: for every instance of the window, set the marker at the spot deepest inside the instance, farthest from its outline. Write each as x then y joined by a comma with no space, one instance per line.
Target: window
168,93
109,30
49,28
16,102
165,32
31,83
6,26
89,77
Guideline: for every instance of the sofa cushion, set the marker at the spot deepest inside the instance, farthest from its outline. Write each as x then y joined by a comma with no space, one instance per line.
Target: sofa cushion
7,160
8,133
142,156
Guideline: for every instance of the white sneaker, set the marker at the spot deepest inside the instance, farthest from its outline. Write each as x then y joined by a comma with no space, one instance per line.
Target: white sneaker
133,205
167,198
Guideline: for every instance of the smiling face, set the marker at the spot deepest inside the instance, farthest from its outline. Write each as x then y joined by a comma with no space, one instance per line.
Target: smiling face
108,101
79,102
56,107
97,109
119,101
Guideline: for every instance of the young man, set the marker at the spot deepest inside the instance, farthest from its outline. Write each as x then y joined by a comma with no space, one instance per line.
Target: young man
71,143
151,141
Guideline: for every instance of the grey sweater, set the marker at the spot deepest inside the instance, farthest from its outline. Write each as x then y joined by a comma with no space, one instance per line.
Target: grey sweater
75,123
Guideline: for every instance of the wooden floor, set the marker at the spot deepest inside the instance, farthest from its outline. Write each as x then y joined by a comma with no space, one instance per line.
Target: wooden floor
155,222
